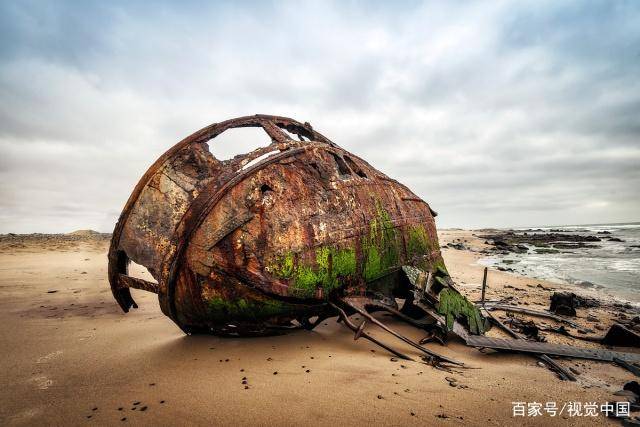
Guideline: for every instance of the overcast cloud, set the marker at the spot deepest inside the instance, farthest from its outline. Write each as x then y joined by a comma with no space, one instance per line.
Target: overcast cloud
497,114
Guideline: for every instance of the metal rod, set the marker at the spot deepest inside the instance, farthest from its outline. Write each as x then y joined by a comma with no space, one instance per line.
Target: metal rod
484,285
359,307
345,319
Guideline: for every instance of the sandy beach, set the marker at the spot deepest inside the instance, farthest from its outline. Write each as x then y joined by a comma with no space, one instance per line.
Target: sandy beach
71,357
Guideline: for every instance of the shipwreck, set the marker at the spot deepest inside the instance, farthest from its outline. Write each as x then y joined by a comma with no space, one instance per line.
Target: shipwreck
290,234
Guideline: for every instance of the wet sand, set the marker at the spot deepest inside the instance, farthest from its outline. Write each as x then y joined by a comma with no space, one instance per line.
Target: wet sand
71,357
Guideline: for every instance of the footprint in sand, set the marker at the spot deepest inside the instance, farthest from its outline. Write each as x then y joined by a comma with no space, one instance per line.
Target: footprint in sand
42,382
48,357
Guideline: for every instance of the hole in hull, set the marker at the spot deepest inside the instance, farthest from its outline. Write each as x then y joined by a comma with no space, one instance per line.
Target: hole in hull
238,141
354,167
342,167
141,272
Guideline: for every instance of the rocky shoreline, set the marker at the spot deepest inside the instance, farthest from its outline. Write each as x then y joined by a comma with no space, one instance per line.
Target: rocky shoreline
477,244
505,242
595,260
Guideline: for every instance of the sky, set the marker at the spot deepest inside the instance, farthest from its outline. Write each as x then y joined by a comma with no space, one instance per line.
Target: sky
499,114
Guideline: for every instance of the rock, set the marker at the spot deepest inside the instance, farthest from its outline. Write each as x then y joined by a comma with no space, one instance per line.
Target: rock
618,335
531,330
458,246
546,251
615,239
633,387
573,245
564,303
511,241
625,393
564,310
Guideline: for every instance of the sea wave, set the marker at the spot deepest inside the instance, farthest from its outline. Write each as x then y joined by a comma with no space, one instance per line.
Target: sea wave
611,265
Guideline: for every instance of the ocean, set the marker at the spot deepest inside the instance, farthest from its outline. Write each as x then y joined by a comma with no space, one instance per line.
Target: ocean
611,267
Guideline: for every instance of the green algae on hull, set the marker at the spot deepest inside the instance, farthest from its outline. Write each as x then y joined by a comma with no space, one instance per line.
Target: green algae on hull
382,253
381,249
331,265
454,306
418,242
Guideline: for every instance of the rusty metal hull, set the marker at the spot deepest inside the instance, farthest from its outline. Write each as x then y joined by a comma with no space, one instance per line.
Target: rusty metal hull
246,245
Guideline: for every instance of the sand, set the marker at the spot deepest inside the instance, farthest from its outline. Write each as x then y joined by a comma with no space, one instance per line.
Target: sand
71,357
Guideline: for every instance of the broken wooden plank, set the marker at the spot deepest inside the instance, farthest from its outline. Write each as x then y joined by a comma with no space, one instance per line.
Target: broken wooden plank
628,366
522,346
